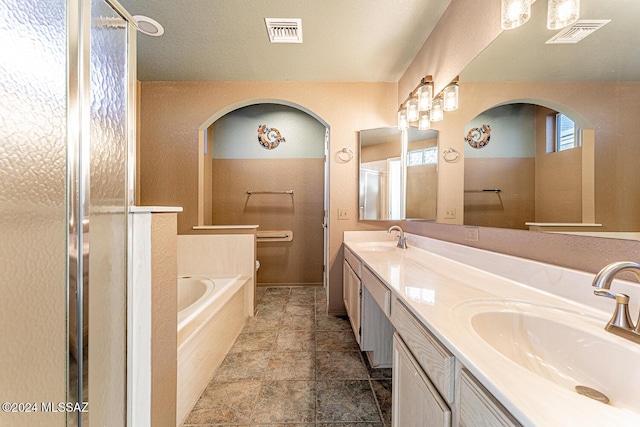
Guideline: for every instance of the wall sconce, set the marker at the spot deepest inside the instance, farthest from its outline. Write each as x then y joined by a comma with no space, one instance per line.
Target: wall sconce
424,122
514,13
450,95
561,13
437,109
402,119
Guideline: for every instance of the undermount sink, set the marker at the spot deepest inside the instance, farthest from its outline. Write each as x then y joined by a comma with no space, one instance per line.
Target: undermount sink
564,347
377,246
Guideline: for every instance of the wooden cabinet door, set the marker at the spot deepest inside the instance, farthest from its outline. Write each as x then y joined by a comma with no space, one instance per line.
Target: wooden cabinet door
415,401
351,296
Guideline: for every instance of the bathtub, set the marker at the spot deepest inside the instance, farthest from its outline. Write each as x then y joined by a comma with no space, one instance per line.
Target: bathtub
212,311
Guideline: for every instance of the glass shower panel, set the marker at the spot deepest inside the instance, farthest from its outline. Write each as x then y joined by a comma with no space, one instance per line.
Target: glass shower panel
108,216
33,207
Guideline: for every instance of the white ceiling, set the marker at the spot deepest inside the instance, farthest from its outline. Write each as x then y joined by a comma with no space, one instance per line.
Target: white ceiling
226,40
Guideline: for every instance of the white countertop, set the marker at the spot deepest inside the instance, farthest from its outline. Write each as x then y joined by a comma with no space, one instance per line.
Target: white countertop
436,288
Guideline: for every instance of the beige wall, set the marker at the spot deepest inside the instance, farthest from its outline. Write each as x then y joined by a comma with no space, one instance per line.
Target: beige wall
558,175
171,112
164,341
388,150
298,262
513,206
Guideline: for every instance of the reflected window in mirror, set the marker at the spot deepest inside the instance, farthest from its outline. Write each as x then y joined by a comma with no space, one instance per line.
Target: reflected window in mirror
567,134
388,189
518,176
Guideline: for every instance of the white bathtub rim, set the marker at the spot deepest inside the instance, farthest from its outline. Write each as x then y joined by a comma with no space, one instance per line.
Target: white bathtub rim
220,282
209,288
225,292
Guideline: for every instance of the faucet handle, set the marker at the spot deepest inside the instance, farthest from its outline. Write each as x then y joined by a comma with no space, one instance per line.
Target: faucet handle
621,317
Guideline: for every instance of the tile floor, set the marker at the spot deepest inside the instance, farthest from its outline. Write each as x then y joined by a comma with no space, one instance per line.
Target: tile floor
294,366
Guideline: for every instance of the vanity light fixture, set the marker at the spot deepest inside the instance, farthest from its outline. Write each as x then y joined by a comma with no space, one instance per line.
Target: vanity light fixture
515,13
425,94
561,13
450,95
403,124
424,122
412,110
437,109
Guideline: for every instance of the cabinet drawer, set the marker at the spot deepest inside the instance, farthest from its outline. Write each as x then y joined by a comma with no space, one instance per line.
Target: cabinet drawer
380,293
479,408
433,357
353,261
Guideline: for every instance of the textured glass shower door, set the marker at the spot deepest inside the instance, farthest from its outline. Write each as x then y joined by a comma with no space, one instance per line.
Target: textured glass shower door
64,194
33,208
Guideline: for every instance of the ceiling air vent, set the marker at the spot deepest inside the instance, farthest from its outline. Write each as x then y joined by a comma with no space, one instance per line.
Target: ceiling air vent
578,31
284,30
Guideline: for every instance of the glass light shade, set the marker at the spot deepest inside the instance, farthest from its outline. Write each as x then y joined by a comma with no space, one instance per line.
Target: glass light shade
561,13
425,97
424,122
514,13
402,120
437,110
412,110
450,97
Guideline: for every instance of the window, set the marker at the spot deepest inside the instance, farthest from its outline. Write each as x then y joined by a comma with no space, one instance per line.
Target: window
426,156
567,134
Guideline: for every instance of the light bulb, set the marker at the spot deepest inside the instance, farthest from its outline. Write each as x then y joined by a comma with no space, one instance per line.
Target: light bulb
450,97
437,110
424,122
514,13
402,119
425,97
561,13
412,110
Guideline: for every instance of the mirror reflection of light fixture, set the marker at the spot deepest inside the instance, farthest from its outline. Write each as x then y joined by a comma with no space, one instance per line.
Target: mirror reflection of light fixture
425,94
450,94
561,13
402,119
514,13
437,109
424,122
412,110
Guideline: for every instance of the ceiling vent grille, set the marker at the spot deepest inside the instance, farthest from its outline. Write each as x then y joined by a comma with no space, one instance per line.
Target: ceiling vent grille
284,30
578,31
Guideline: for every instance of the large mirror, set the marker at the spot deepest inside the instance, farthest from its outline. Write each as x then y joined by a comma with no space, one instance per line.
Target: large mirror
398,183
594,82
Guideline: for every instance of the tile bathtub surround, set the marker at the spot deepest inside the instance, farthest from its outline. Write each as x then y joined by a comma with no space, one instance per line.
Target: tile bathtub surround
294,366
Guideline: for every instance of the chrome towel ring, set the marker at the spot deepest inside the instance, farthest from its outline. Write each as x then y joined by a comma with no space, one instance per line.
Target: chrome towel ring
450,155
345,155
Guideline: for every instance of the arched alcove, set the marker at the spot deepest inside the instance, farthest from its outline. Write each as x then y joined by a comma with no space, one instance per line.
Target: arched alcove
262,162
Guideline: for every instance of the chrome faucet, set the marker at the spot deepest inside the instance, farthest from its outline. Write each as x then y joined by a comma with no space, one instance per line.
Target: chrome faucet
402,241
621,323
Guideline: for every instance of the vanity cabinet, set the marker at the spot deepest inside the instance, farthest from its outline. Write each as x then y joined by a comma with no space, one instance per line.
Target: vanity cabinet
352,290
423,373
477,407
368,303
376,336
415,401
438,382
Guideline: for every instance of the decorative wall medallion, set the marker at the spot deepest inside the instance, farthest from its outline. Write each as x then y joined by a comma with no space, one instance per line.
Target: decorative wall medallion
269,138
479,137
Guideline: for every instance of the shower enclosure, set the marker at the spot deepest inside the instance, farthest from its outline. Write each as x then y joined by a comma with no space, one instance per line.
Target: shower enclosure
67,80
